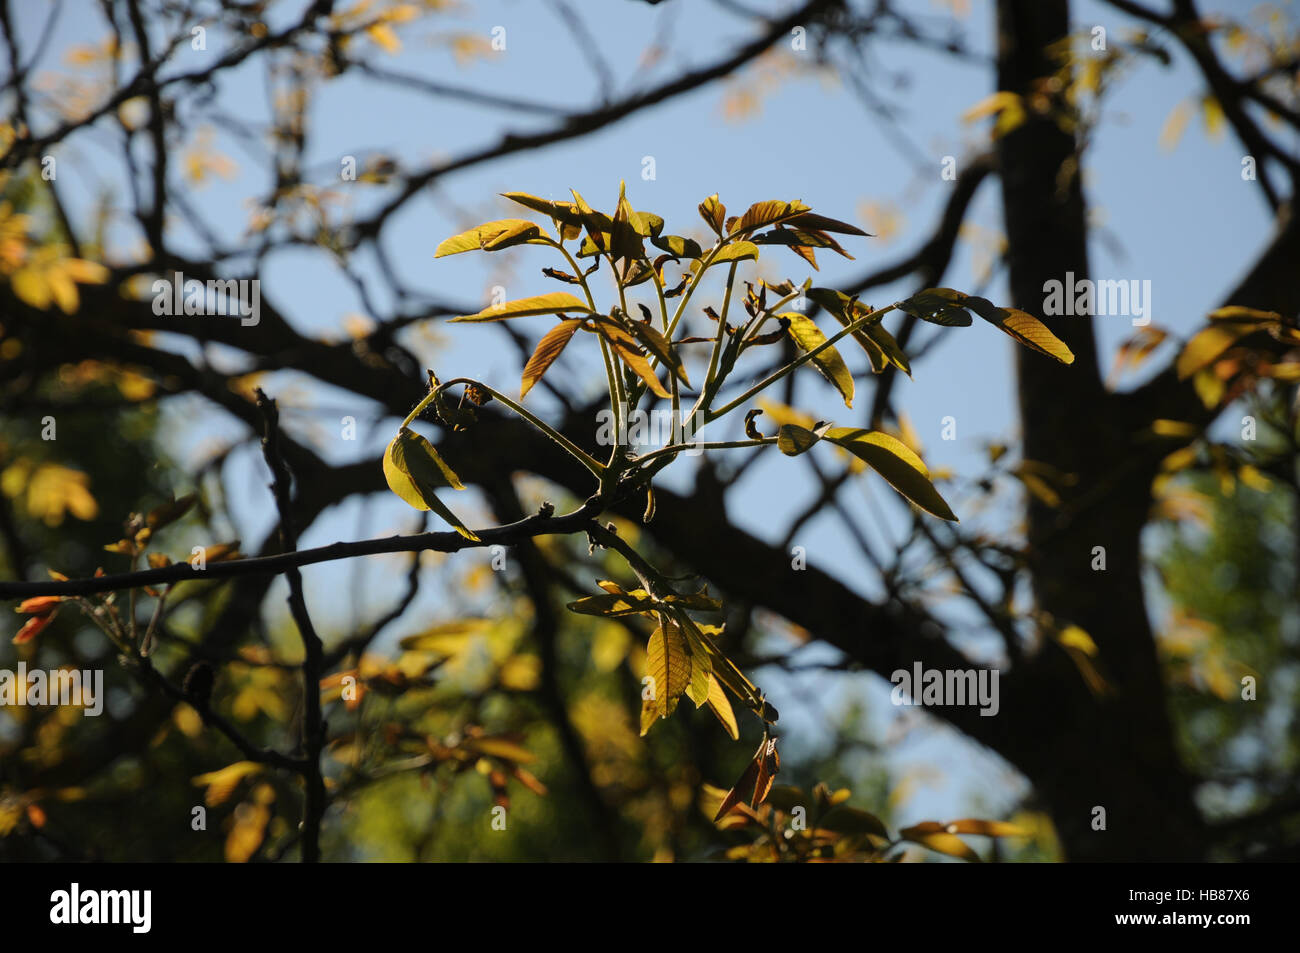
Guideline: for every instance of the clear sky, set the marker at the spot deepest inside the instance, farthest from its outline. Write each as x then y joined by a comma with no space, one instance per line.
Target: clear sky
1181,218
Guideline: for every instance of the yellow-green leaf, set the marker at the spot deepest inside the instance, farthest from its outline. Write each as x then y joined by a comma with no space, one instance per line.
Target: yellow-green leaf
713,212
932,835
721,708
563,212
1022,326
668,667
547,350
414,470
628,349
736,251
554,303
767,213
612,605
491,236
658,345
896,462
1208,344
808,336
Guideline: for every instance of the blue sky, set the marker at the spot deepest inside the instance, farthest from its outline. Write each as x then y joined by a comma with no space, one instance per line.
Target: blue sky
1184,218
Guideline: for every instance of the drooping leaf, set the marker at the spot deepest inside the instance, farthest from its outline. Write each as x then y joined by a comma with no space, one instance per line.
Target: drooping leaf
556,302
414,470
769,764
894,461
503,233
721,708
547,350
743,785
678,246
697,689
808,336
1022,326
668,667
628,349
657,345
889,348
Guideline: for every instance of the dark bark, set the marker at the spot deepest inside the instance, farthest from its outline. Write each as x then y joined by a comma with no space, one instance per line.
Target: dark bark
1115,752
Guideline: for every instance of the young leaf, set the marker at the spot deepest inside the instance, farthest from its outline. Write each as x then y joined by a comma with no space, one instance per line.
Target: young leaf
1024,327
721,708
563,212
627,230
697,689
414,470
612,605
596,223
767,213
668,667
491,236
943,306
889,349
625,344
932,835
553,303
807,335
655,343
745,783
792,440
894,461
547,350
823,224
768,766
678,246
736,251
1208,344
713,212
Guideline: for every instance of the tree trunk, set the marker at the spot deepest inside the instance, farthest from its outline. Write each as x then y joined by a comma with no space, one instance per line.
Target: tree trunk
1116,751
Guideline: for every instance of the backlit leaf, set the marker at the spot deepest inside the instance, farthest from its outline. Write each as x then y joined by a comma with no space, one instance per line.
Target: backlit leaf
668,665
894,461
808,336
414,470
547,350
492,236
554,303
721,708
767,213
1022,326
